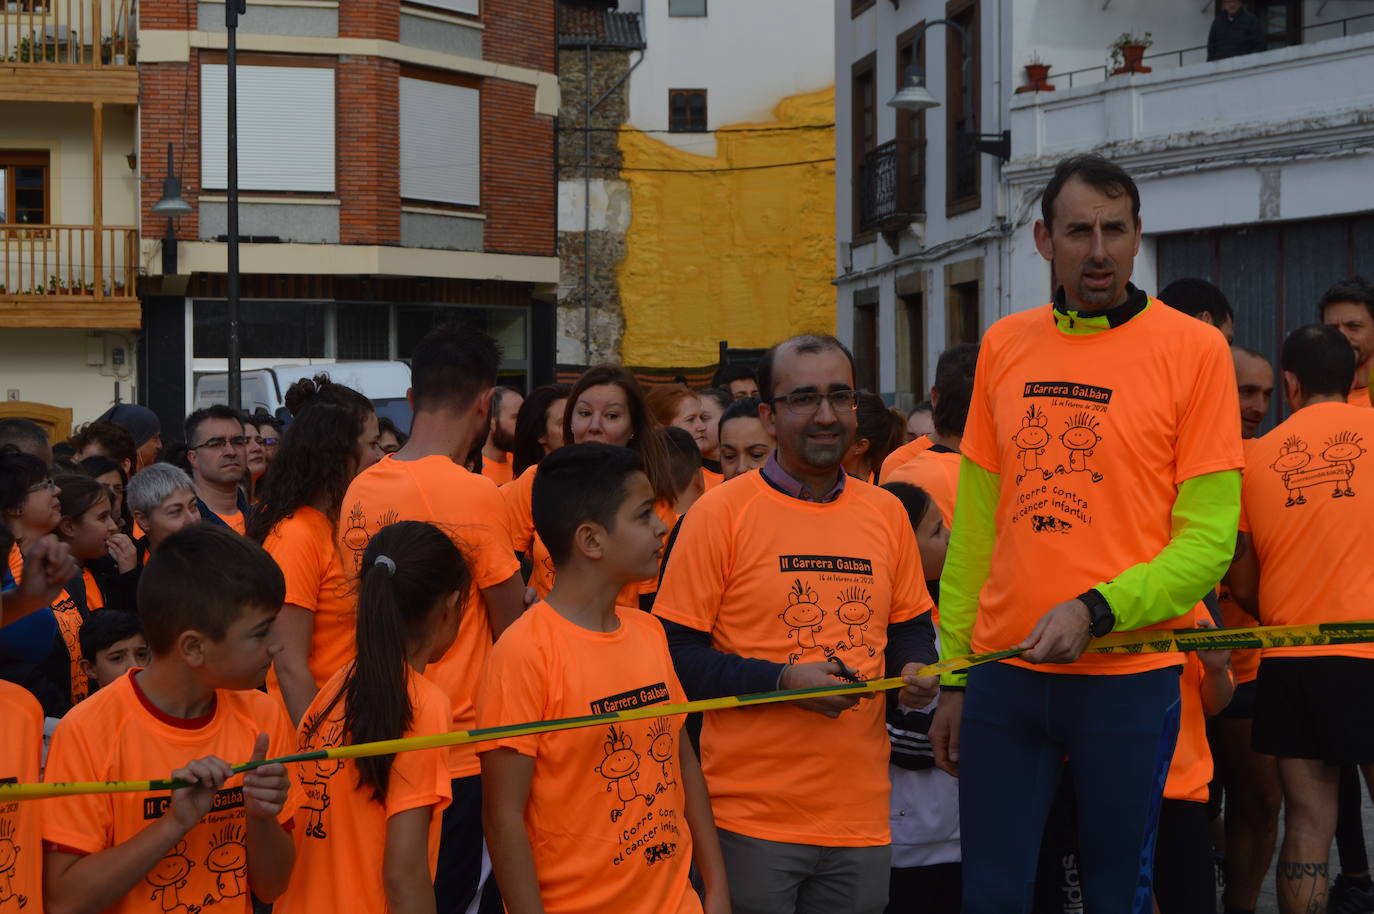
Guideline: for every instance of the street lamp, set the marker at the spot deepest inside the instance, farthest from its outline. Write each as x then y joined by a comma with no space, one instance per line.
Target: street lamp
172,206
913,96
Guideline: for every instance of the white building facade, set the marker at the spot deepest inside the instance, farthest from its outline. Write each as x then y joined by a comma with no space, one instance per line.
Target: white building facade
1253,170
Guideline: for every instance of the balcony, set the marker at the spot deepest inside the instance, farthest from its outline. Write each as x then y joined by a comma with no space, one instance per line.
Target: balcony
68,51
68,276
892,186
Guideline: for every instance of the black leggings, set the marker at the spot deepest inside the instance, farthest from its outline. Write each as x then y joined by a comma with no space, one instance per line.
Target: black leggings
1185,874
1350,823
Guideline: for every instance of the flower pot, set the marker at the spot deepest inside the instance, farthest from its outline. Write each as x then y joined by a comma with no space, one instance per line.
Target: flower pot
1131,56
1037,78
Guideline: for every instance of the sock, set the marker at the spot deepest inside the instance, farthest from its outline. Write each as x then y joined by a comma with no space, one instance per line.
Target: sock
1363,883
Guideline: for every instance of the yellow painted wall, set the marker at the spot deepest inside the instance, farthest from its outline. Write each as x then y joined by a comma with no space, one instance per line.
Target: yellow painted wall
744,256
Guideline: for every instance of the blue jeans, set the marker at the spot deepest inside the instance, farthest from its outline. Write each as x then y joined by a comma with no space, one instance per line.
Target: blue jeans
1018,726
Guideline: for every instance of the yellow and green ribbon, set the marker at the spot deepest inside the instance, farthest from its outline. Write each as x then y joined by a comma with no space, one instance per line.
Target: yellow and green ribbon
1138,642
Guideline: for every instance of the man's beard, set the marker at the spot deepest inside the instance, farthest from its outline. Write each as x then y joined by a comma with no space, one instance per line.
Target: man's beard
501,440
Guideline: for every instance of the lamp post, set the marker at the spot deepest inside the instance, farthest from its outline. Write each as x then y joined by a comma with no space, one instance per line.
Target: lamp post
915,97
171,205
232,10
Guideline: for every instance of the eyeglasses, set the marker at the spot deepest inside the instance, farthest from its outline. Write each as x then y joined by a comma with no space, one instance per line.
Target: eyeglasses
47,484
215,444
810,401
269,442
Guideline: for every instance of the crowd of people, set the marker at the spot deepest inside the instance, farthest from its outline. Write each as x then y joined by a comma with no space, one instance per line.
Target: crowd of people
1095,464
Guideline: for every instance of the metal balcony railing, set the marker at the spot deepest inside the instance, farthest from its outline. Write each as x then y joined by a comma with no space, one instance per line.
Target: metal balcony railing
892,185
71,33
68,261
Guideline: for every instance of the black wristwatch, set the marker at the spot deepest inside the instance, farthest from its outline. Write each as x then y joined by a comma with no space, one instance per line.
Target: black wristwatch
1101,618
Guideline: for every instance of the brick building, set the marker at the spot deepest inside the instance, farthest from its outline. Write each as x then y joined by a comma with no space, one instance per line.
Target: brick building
396,169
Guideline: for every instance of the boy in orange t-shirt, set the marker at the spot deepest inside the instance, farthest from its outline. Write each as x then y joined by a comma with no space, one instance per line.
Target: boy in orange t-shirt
208,599
1301,560
604,819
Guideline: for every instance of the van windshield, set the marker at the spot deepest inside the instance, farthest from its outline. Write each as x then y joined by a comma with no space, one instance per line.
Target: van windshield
397,409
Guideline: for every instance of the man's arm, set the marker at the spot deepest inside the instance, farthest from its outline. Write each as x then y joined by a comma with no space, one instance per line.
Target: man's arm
505,602
968,561
506,776
1243,577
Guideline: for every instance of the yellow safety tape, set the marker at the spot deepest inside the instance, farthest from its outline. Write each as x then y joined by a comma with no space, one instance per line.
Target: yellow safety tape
1148,641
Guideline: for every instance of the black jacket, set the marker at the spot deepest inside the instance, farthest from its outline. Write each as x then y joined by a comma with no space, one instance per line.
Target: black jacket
1234,37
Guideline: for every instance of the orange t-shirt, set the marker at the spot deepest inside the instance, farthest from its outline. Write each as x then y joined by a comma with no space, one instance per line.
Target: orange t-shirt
21,824
937,472
1244,663
94,598
499,473
789,581
234,521
467,507
1360,396
303,547
711,479
1305,506
519,497
118,734
340,828
606,814
902,455
542,572
1092,435
1190,771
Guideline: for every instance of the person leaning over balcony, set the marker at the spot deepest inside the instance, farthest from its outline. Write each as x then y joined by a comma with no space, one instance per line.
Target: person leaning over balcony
1235,31
1099,489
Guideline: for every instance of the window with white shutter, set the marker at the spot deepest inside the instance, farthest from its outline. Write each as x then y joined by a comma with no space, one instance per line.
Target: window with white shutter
286,128
440,142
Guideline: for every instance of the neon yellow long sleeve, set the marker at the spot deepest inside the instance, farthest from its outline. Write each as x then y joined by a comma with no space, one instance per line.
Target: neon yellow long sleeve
968,561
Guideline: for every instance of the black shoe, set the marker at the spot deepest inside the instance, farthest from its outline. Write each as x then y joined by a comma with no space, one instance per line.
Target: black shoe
1344,898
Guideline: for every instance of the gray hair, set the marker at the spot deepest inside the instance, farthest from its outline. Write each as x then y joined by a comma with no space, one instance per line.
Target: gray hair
152,485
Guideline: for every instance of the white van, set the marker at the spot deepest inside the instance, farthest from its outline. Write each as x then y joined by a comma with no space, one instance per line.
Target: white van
262,389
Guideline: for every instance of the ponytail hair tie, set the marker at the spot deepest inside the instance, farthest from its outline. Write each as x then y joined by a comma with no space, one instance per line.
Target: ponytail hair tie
386,561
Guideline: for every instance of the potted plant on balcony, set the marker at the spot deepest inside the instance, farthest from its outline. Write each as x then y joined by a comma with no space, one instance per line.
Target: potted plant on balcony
1037,76
1128,52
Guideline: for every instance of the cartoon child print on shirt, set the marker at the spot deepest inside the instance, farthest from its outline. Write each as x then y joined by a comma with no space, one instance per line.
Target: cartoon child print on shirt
1341,452
355,534
620,768
661,750
168,878
228,860
1030,440
1080,439
802,617
9,863
855,612
1296,465
316,788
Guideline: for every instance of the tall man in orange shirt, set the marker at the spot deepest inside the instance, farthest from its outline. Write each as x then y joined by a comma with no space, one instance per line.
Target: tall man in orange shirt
1349,307
1099,490
1301,560
789,578
452,374
217,449
496,450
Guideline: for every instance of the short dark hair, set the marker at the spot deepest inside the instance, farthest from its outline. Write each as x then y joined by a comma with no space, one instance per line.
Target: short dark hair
114,440
1356,289
728,373
18,471
1097,172
213,411
204,577
684,457
1195,296
1321,358
743,408
104,629
915,500
576,484
25,435
954,383
809,343
452,366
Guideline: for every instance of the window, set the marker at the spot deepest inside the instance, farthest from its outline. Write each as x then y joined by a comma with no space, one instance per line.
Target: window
466,7
864,128
911,131
687,110
866,339
912,314
961,313
686,7
286,127
441,153
858,6
267,329
1281,21
24,182
962,192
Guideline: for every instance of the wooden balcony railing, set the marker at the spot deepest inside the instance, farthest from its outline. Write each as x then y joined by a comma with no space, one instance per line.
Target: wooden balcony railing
84,33
892,185
68,261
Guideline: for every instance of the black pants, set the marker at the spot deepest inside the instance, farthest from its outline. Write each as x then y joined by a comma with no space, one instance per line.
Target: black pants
458,877
935,889
1185,874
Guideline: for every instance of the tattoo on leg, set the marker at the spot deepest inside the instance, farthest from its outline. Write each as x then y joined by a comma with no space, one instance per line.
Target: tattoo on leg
1308,898
1289,870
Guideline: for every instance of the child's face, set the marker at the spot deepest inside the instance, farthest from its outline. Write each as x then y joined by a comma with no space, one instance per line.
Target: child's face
89,534
932,538
633,548
241,660
118,659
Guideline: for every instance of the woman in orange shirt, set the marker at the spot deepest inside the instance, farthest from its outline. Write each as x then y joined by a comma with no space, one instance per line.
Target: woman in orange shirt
333,439
367,831
880,432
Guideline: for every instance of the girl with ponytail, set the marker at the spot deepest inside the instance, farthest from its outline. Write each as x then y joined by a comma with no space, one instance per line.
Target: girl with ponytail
355,813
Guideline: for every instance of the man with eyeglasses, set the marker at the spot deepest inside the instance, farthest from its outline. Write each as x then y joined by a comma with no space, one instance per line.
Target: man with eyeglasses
217,450
791,578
